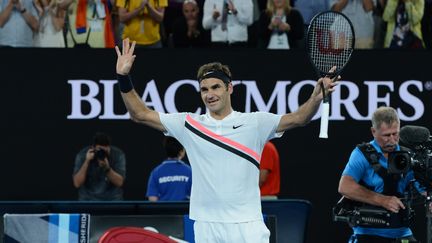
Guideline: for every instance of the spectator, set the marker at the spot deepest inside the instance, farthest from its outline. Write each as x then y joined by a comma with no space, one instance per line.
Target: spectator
403,19
52,15
18,21
172,179
188,30
269,178
142,19
281,26
172,12
427,24
360,12
380,24
89,24
117,26
308,9
100,170
228,21
253,28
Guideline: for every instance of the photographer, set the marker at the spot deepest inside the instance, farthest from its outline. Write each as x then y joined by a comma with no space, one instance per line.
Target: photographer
100,170
370,182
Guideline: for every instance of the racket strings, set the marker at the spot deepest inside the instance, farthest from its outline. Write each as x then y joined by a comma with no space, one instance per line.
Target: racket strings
330,41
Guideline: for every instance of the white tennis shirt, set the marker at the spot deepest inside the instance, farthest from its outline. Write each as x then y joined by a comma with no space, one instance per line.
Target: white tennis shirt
224,156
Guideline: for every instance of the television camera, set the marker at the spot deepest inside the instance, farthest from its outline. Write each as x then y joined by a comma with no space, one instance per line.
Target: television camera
415,155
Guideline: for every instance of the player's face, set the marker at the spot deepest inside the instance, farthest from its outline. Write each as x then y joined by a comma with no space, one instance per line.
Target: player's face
216,95
387,136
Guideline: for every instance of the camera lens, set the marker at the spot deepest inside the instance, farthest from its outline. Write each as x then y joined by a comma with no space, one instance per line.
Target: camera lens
100,154
399,162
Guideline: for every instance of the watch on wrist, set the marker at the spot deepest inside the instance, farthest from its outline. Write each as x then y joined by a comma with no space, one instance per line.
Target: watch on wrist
23,10
107,169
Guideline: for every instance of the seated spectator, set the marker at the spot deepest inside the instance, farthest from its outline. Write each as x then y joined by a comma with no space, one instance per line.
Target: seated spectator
100,170
142,19
188,30
52,15
172,179
228,21
281,26
18,21
403,19
89,24
360,12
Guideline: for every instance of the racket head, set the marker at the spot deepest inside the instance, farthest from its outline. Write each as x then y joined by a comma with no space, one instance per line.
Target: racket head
330,42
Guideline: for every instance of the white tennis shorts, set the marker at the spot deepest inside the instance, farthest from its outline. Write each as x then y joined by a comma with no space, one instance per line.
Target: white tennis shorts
247,232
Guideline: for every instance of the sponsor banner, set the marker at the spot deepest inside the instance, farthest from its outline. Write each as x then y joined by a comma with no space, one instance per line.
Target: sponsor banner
54,100
51,228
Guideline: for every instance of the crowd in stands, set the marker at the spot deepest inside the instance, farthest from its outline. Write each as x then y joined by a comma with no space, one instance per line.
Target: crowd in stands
268,24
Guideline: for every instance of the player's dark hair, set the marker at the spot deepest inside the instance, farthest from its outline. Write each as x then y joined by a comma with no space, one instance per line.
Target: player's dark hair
214,70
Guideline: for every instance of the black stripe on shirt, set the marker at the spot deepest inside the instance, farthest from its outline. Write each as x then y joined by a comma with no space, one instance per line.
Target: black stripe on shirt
222,145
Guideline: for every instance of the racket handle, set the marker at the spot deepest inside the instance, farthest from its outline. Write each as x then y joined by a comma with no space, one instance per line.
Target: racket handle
324,120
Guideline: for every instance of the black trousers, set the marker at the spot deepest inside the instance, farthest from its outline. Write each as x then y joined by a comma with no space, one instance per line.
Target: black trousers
378,239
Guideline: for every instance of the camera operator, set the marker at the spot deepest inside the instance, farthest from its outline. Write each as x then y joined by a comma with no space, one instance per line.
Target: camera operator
100,170
361,181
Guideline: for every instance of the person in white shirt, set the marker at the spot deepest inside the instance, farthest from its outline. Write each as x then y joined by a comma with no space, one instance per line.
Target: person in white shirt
228,21
18,22
224,149
360,12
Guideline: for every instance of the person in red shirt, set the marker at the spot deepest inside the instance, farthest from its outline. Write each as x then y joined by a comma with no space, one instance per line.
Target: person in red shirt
269,180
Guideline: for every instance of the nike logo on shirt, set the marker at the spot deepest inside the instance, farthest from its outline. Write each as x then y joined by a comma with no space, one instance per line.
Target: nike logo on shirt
235,127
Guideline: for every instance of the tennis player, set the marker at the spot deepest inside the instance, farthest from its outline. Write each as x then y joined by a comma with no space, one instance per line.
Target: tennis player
224,148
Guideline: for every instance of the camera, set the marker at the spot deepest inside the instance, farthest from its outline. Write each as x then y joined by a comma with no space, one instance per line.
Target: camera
399,162
99,154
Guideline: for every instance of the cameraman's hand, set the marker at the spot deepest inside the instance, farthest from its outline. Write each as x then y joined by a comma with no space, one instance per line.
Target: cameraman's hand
392,203
104,164
90,155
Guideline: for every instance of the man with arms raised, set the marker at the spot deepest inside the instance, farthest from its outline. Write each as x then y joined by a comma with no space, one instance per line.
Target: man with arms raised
224,148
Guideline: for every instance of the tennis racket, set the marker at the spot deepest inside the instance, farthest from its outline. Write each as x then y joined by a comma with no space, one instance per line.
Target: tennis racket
330,42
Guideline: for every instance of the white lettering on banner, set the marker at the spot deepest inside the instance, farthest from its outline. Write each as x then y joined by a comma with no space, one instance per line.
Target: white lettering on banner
337,102
83,232
152,92
410,99
78,98
374,99
109,101
253,93
378,92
